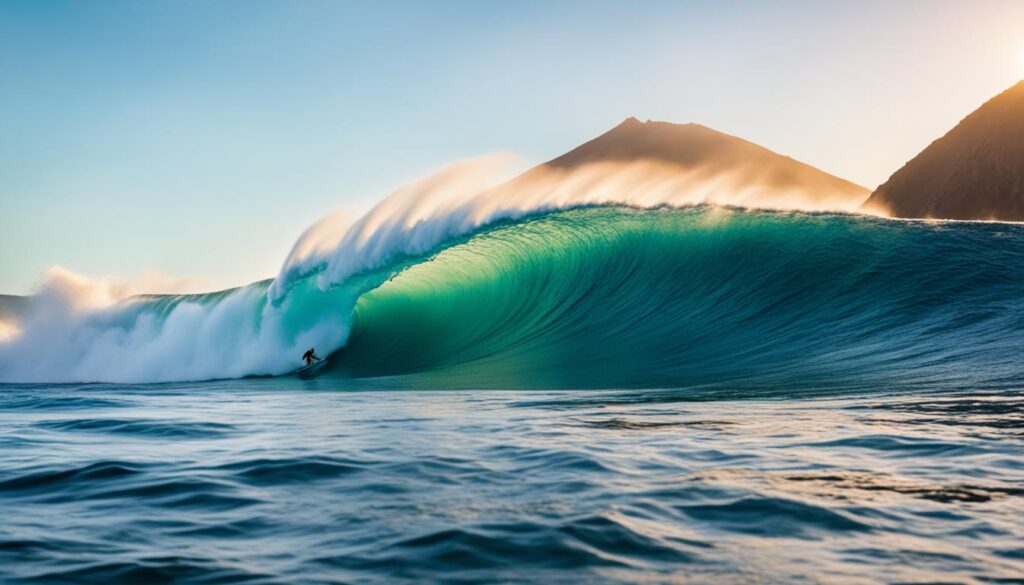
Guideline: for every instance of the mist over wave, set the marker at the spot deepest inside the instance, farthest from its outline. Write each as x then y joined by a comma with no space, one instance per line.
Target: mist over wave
560,279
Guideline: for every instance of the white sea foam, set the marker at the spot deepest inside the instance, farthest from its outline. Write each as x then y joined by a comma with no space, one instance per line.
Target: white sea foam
80,330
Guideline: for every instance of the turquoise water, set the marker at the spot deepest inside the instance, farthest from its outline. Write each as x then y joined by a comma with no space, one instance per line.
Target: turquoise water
727,300
599,394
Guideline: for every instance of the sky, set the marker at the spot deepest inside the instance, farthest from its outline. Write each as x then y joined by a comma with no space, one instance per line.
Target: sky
198,139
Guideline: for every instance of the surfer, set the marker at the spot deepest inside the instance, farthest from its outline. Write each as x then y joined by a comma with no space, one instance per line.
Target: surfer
310,355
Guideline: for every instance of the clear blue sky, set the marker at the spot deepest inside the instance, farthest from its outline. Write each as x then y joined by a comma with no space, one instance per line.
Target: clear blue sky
200,138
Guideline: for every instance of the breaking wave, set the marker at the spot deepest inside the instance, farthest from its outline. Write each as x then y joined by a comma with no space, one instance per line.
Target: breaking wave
601,281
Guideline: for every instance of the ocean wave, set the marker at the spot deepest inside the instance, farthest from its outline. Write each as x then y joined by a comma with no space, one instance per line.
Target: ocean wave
708,299
443,287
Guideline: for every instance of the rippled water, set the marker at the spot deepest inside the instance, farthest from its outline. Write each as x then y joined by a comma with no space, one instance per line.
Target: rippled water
243,481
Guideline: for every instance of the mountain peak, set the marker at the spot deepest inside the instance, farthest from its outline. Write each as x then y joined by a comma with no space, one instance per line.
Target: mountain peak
700,165
975,171
632,139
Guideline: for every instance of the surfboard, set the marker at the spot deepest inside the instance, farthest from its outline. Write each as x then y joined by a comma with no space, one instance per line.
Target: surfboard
307,370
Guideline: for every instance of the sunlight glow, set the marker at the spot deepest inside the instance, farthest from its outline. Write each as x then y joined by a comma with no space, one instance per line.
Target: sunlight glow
8,330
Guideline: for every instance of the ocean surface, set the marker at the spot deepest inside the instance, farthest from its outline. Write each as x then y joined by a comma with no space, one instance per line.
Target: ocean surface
246,481
589,394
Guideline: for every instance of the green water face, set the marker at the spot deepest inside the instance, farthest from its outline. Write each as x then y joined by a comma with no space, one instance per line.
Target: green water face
612,297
